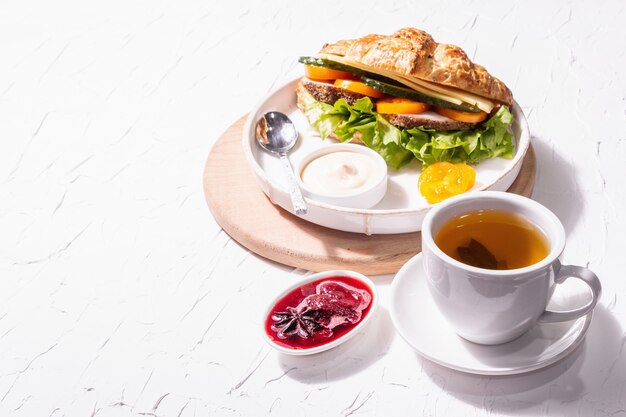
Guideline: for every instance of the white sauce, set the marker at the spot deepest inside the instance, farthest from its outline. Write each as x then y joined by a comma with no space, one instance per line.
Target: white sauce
341,173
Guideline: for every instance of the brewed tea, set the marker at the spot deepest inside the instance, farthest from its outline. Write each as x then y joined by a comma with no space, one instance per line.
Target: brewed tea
493,239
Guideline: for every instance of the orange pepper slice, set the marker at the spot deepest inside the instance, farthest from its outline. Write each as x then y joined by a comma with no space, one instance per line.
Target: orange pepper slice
398,105
461,116
358,87
325,74
443,180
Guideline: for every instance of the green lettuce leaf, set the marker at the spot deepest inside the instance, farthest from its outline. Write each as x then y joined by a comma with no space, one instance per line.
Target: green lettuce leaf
399,146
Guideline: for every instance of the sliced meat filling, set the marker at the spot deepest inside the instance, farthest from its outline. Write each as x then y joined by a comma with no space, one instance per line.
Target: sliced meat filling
428,120
328,93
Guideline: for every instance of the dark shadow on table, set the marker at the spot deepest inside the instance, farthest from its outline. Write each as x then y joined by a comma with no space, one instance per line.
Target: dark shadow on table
556,186
587,371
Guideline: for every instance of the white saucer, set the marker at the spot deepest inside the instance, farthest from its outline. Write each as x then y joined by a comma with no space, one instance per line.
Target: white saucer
419,322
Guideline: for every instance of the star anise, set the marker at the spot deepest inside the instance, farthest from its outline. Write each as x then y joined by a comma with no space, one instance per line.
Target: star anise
476,254
304,323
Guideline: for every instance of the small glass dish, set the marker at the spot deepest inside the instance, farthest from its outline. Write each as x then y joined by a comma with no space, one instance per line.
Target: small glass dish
354,284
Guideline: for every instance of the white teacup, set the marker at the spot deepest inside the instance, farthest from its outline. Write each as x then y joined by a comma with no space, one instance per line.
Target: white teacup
496,306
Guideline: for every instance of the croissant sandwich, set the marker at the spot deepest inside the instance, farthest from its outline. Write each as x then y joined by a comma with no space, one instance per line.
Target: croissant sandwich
407,96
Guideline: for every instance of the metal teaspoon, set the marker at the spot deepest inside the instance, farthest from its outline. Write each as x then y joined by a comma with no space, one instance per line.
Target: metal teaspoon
276,134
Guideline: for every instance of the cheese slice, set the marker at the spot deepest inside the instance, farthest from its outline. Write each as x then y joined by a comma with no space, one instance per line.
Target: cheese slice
439,91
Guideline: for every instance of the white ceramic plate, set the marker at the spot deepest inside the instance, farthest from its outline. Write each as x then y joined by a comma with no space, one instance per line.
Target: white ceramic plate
420,324
401,210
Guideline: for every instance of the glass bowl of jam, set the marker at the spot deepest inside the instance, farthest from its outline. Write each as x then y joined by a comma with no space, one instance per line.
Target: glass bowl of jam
320,312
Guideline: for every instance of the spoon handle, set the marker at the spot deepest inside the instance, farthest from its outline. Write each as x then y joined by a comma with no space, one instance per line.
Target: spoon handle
299,205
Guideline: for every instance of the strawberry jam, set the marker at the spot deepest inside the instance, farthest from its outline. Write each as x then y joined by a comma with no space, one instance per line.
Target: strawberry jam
318,312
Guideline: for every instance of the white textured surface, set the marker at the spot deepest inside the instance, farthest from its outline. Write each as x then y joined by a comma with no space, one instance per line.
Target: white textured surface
121,296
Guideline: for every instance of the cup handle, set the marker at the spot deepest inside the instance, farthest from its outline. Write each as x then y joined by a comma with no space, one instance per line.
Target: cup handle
591,279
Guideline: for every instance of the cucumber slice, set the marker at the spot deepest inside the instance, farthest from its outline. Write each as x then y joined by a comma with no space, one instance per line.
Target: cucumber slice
404,92
327,63
384,84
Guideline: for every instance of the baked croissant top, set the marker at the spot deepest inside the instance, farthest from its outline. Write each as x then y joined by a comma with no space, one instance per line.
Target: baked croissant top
413,53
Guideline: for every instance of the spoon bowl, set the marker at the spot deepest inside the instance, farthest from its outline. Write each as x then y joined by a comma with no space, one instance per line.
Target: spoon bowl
276,133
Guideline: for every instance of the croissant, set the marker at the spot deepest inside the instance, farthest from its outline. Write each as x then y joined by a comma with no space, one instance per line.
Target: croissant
406,96
415,56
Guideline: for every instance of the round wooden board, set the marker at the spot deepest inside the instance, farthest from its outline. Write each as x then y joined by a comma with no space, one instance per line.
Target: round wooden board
247,215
